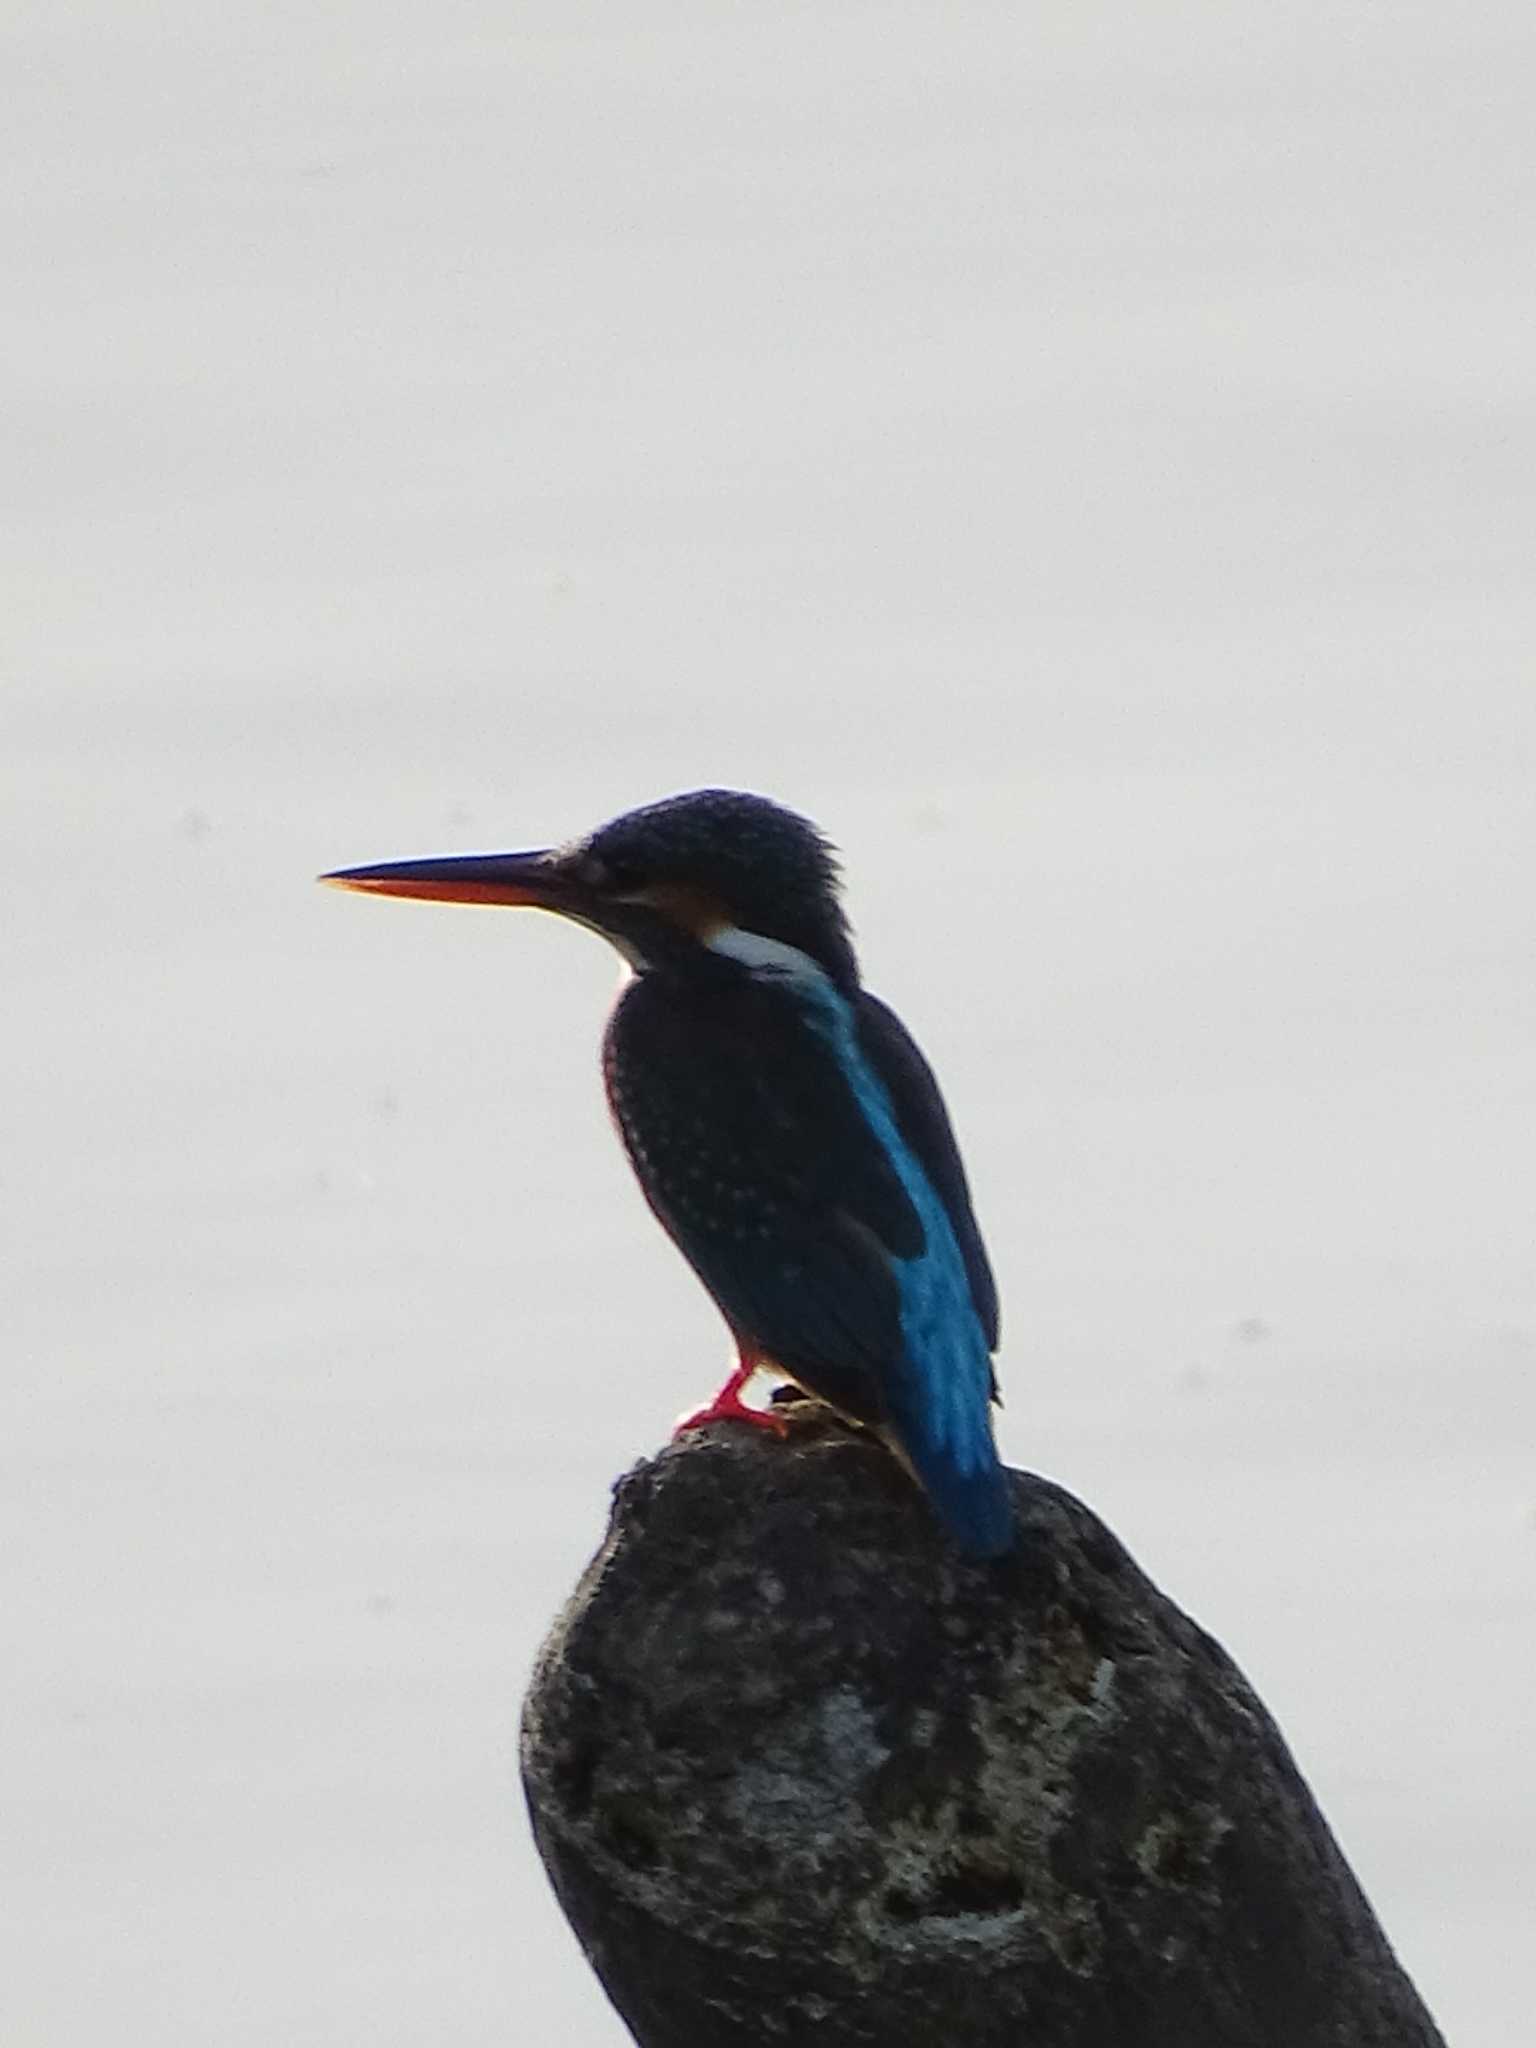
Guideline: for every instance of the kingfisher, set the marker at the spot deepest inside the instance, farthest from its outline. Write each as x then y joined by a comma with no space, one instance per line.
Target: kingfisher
785,1129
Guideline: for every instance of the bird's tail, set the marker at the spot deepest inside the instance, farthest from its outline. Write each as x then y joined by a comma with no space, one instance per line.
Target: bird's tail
963,1478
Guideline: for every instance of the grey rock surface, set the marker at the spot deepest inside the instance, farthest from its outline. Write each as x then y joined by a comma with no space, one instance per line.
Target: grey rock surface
799,1774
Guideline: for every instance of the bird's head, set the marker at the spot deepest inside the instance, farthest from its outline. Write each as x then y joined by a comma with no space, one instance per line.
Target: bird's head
715,868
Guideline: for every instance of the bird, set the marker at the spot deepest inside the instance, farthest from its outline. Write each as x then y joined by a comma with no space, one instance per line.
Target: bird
784,1127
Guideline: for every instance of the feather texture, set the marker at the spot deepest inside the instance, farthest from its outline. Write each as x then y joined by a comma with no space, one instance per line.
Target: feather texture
792,1142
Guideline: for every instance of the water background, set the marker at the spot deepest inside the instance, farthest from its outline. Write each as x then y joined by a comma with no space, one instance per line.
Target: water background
1082,455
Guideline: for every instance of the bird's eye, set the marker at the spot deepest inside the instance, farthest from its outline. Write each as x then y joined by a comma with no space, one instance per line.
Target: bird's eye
611,877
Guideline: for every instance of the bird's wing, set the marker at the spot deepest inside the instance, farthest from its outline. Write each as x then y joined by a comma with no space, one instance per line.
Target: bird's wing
924,1123
751,1148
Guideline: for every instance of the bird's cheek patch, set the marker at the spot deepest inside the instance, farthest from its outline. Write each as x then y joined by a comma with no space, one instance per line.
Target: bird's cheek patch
694,909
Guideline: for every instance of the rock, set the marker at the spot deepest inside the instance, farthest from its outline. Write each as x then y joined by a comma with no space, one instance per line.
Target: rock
800,1774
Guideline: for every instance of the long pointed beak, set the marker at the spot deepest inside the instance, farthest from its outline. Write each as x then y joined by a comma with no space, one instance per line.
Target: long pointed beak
525,878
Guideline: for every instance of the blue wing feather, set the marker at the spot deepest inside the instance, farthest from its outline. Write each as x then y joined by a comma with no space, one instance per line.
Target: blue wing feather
924,1122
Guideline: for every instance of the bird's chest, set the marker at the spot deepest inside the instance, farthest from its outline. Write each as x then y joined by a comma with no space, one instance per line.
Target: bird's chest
707,1093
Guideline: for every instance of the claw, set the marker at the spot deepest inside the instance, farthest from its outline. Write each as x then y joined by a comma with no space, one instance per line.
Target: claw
728,1406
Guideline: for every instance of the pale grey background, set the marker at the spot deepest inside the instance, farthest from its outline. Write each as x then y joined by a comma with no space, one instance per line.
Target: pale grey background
1083,455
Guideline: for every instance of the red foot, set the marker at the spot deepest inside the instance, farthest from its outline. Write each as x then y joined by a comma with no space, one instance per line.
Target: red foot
728,1406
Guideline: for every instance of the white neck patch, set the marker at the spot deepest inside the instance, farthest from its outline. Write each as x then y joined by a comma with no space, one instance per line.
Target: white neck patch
770,958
